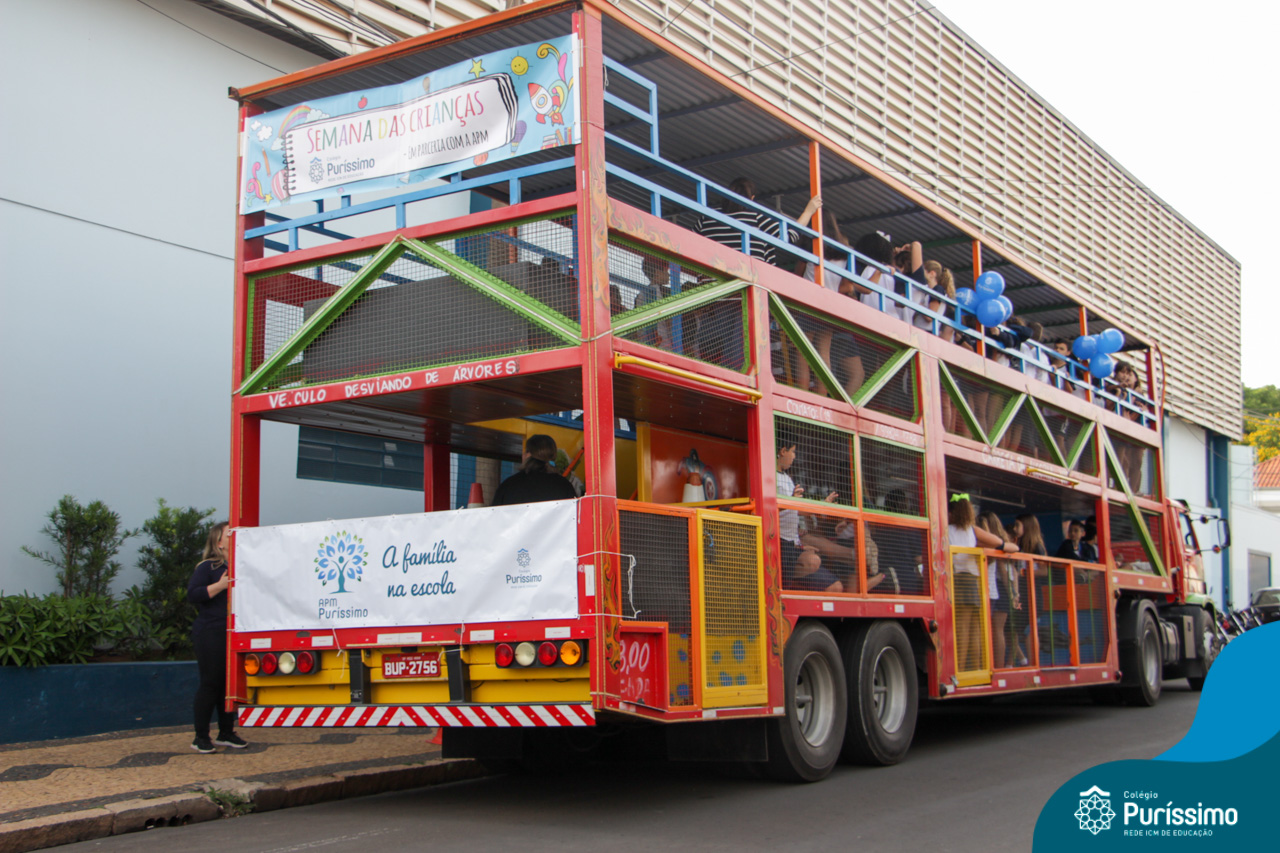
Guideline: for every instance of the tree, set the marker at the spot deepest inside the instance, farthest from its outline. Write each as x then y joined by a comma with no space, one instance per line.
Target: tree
177,538
87,539
1259,403
1264,435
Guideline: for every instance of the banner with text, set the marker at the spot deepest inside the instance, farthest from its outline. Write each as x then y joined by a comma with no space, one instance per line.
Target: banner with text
486,109
496,564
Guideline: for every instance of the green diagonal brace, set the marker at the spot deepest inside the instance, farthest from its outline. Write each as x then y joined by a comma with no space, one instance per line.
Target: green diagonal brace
1113,462
807,350
1001,426
1046,433
1135,514
635,318
1082,441
958,399
882,377
497,289
320,320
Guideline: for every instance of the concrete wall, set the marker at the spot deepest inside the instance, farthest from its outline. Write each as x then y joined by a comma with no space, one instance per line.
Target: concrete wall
1186,448
116,231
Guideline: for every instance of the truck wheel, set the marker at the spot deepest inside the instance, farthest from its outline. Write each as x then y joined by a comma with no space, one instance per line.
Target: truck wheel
805,744
883,693
1143,663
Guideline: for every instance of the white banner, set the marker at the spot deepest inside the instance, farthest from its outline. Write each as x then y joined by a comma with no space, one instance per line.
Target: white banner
448,126
496,564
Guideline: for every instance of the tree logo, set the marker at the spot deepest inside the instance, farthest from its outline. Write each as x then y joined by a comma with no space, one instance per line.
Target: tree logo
1095,812
342,558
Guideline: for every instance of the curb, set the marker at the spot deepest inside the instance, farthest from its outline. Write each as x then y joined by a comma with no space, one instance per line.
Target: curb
226,798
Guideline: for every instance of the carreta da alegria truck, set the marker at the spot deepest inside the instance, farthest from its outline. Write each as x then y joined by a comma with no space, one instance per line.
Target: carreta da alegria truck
758,566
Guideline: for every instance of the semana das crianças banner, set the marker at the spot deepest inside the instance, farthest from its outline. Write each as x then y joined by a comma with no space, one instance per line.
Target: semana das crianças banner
488,108
496,564
1215,790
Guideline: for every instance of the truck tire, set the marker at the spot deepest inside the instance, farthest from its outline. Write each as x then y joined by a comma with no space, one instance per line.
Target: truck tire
1142,662
804,745
884,693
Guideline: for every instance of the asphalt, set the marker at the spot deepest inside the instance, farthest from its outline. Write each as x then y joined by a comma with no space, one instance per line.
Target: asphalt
61,791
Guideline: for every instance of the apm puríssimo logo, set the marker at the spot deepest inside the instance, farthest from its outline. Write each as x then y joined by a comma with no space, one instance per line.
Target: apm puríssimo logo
340,557
1095,812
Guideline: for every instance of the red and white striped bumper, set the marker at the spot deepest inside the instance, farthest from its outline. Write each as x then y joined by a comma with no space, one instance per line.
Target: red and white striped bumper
496,716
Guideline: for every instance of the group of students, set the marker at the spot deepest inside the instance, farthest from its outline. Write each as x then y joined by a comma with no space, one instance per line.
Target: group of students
890,265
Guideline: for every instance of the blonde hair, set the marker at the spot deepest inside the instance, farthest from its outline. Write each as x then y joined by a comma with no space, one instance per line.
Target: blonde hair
945,279
990,522
211,549
1031,535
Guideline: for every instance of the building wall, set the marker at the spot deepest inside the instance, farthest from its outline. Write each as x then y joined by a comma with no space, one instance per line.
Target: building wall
1252,527
1187,477
117,238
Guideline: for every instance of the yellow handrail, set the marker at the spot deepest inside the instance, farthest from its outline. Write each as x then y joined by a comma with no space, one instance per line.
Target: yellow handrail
619,360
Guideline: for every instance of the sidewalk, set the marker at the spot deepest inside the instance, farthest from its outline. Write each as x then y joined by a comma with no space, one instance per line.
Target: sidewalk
60,791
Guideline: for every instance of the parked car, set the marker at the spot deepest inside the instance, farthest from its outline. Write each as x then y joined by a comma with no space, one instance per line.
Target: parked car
1266,604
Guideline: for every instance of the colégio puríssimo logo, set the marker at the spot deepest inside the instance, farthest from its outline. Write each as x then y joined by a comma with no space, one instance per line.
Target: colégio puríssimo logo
340,557
1095,812
523,558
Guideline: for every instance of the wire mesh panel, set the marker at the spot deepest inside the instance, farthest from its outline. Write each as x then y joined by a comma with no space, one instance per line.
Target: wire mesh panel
415,316
715,333
1064,429
733,615
987,401
1053,612
1011,635
1087,461
1093,614
278,301
892,478
1025,436
834,345
655,588
1138,463
897,560
639,277
969,609
1127,546
1155,528
831,543
537,258
899,397
824,460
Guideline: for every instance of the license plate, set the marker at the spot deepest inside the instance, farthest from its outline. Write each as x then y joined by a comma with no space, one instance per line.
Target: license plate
414,665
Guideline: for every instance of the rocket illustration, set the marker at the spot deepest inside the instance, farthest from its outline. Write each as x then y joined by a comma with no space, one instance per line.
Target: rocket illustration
548,101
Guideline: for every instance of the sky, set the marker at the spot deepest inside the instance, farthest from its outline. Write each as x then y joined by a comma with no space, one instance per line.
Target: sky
1183,95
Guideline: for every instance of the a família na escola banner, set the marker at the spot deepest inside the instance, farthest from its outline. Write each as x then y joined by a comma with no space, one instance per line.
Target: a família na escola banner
489,108
496,564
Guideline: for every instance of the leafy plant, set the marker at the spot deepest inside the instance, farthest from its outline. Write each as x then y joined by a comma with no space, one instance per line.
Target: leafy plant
87,539
51,630
232,803
177,538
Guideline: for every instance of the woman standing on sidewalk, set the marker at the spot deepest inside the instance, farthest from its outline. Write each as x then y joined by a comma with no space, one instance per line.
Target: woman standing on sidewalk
207,590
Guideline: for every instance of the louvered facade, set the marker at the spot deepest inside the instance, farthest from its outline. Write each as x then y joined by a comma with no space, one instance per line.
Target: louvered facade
910,94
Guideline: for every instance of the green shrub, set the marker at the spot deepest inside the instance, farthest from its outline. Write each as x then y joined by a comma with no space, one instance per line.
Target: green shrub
52,630
87,539
177,538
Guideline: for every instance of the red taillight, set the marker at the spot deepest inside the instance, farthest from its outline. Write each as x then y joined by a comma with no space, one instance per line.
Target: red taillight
270,663
306,662
503,655
548,654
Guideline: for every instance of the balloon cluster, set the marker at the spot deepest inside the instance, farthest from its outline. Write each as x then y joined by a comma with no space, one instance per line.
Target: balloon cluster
986,299
1097,350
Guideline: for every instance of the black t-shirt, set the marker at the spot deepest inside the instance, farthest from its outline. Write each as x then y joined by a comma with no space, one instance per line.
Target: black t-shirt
526,487
210,611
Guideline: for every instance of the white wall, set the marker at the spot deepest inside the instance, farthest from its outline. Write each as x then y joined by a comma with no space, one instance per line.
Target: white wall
1187,478
116,236
1252,528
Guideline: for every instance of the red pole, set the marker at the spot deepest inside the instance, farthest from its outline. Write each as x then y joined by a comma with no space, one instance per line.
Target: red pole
977,271
815,188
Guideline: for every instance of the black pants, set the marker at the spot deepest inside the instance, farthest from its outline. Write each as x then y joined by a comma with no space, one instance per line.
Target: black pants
211,656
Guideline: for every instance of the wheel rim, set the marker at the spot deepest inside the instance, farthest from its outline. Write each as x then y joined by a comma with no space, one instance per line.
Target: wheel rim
889,689
1151,659
815,700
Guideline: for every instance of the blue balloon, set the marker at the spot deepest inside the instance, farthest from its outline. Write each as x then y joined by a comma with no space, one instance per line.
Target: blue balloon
967,298
989,285
1112,340
1102,365
1084,347
990,312
1006,305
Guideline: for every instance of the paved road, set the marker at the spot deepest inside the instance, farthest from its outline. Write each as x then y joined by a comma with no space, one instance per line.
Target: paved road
976,779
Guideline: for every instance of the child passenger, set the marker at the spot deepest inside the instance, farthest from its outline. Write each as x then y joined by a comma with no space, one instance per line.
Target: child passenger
962,533
801,565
